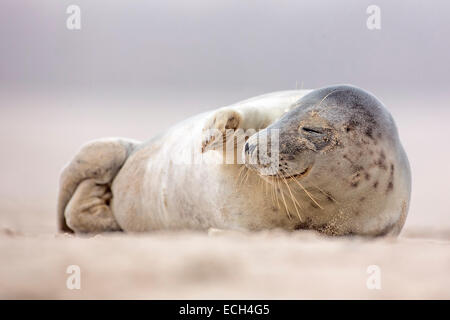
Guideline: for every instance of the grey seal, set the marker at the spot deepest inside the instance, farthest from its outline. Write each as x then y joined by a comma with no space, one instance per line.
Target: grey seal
339,168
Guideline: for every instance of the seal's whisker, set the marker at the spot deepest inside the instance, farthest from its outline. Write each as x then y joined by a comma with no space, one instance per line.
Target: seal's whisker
247,175
242,175
271,188
326,194
307,193
272,193
293,199
239,176
293,177
267,187
329,94
284,200
240,171
275,188
260,181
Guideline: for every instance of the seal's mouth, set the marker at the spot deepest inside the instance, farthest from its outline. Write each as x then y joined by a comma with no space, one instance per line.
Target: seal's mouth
302,174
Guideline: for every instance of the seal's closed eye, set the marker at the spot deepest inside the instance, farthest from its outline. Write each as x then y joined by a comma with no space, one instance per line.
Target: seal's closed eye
313,130
321,137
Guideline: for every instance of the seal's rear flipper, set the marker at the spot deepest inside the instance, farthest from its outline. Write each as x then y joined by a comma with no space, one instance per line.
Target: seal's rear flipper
84,189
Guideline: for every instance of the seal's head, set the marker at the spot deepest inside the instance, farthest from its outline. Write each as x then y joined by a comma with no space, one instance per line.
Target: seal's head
338,150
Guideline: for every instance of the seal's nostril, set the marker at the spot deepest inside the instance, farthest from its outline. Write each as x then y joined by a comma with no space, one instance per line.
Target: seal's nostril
251,148
246,147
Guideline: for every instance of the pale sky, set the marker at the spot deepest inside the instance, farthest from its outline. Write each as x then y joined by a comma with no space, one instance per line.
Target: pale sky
201,45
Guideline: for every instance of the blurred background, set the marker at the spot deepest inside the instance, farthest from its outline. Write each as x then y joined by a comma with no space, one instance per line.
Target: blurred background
137,67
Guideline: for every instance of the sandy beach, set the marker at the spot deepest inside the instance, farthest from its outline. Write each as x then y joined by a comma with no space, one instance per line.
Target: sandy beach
267,265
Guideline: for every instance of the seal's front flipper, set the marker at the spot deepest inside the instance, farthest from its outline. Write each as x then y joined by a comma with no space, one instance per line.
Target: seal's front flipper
219,128
84,189
243,119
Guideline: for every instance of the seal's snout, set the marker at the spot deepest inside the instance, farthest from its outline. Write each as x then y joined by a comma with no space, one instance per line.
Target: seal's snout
251,154
260,155
278,151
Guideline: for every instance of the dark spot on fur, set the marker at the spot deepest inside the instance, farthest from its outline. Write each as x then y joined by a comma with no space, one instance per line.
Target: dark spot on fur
375,185
363,117
305,225
362,199
351,125
331,230
367,175
380,163
390,185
